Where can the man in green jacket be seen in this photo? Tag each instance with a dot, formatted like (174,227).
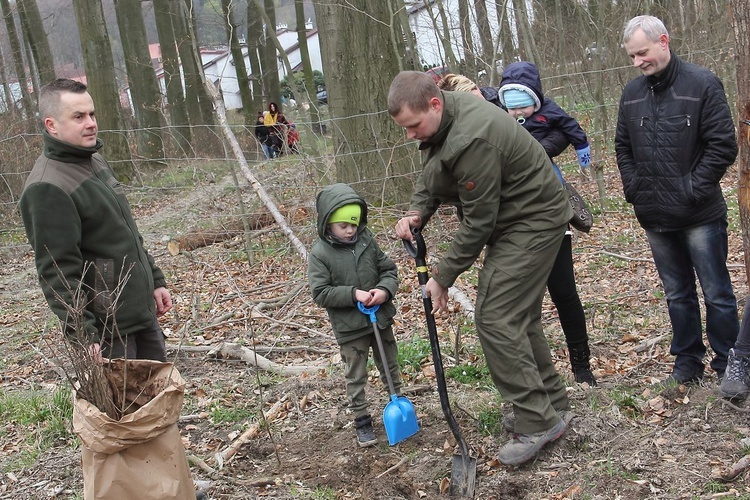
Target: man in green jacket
(93,268)
(477,158)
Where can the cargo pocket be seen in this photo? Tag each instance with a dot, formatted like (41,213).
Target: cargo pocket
(485,278)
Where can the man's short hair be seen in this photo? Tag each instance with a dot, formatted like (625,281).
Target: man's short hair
(411,89)
(49,95)
(652,27)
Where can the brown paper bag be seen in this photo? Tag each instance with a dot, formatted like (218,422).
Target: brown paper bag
(140,456)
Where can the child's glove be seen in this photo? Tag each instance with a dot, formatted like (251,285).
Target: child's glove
(584,159)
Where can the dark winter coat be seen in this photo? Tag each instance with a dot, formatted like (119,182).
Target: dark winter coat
(481,161)
(555,142)
(490,95)
(77,219)
(261,133)
(675,140)
(336,270)
(549,116)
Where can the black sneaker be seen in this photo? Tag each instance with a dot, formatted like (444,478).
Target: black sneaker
(736,382)
(681,377)
(584,376)
(365,432)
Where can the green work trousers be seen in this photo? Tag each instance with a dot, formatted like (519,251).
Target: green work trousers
(509,324)
(355,354)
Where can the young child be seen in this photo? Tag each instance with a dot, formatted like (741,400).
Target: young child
(346,266)
(521,94)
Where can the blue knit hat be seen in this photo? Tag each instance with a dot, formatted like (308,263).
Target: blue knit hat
(515,98)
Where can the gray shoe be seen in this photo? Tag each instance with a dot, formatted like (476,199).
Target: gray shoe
(509,420)
(524,447)
(736,382)
(365,432)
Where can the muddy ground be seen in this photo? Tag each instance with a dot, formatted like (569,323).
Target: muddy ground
(630,438)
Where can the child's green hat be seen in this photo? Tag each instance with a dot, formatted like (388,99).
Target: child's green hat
(348,213)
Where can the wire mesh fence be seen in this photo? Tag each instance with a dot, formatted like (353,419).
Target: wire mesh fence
(209,160)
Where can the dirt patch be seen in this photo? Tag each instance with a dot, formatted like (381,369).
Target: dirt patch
(629,438)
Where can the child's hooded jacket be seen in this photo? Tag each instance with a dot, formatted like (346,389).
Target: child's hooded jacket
(335,269)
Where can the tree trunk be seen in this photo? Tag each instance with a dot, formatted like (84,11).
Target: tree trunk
(254,40)
(469,66)
(243,82)
(485,37)
(31,60)
(525,35)
(38,41)
(270,66)
(310,89)
(373,156)
(144,89)
(741,17)
(444,35)
(447,38)
(199,106)
(17,55)
(601,119)
(178,117)
(398,43)
(7,104)
(100,77)
(506,35)
(274,40)
(206,237)
(200,109)
(412,55)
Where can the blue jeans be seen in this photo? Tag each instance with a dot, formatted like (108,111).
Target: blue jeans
(268,151)
(680,256)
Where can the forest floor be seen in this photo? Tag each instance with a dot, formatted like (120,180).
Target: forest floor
(630,438)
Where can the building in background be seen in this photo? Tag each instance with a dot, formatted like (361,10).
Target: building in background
(218,64)
(426,24)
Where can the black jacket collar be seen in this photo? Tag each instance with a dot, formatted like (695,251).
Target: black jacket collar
(55,149)
(665,79)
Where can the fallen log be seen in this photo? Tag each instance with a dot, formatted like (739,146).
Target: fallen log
(730,473)
(648,344)
(236,351)
(260,349)
(250,433)
(206,237)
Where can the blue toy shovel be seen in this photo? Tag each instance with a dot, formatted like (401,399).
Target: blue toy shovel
(399,417)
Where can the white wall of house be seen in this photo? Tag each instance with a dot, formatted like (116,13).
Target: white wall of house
(220,70)
(295,56)
(218,65)
(423,20)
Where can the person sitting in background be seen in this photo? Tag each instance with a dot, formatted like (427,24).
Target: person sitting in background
(261,133)
(293,138)
(276,123)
